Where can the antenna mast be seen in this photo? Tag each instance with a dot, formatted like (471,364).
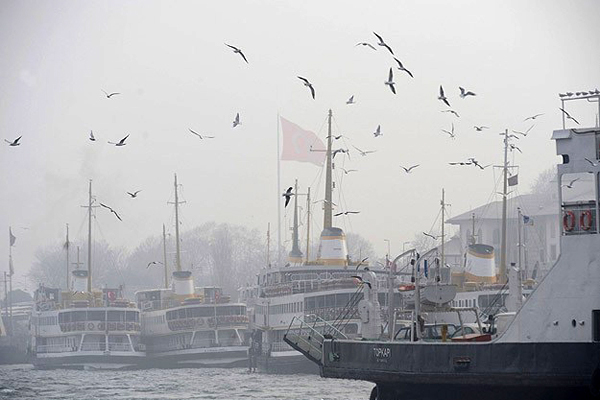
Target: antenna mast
(502,271)
(89,207)
(177,250)
(327,223)
(307,223)
(67,249)
(165,258)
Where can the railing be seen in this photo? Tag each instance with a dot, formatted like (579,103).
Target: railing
(55,348)
(96,326)
(93,346)
(119,346)
(207,322)
(308,338)
(279,346)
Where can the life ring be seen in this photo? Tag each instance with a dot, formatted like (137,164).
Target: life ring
(569,221)
(111,295)
(90,326)
(101,326)
(585,220)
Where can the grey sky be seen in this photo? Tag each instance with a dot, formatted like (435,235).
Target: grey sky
(169,61)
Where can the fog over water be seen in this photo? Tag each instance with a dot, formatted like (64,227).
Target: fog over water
(173,71)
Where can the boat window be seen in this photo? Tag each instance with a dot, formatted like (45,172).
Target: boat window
(96,316)
(116,316)
(578,203)
(78,316)
(64,317)
(133,316)
(596,325)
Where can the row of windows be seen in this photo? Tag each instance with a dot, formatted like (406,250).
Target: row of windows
(206,311)
(286,308)
(102,316)
(47,320)
(159,319)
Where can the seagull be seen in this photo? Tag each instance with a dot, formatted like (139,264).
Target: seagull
(451,132)
(442,97)
(464,93)
(108,96)
(363,153)
(366,44)
(431,236)
(591,162)
(351,100)
(346,213)
(378,131)
(237,51)
(121,142)
(390,81)
(14,142)
(236,121)
(288,195)
(112,211)
(401,67)
(513,147)
(362,281)
(570,185)
(347,171)
(382,43)
(568,115)
(335,137)
(535,116)
(460,163)
(524,133)
(309,85)
(407,170)
(452,111)
(480,128)
(361,263)
(476,163)
(200,136)
(339,151)
(153,263)
(134,194)
(92,138)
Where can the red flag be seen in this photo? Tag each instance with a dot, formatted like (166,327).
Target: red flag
(298,142)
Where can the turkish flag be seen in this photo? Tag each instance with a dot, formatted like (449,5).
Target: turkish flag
(301,145)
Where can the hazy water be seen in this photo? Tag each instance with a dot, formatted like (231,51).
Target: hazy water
(24,382)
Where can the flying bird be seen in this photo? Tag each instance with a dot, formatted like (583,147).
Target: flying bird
(407,170)
(442,97)
(14,142)
(346,213)
(401,67)
(153,263)
(568,116)
(120,142)
(335,137)
(460,163)
(339,151)
(534,116)
(464,93)
(347,171)
(288,195)
(237,51)
(382,43)
(431,236)
(524,133)
(570,185)
(92,138)
(112,211)
(364,153)
(236,121)
(361,263)
(134,194)
(351,100)
(309,85)
(378,131)
(200,136)
(109,95)
(451,111)
(480,128)
(366,44)
(591,162)
(362,281)
(514,147)
(390,81)
(450,132)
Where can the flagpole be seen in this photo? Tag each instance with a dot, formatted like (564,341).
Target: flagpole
(67,248)
(10,274)
(278,197)
(502,271)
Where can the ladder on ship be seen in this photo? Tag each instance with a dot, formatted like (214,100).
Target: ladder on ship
(308,338)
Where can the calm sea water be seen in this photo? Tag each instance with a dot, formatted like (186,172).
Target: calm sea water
(24,382)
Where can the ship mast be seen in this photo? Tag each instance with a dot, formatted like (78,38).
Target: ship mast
(295,253)
(89,207)
(443,203)
(165,258)
(307,223)
(178,254)
(502,271)
(67,249)
(327,223)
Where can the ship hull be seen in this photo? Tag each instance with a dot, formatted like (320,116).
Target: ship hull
(92,360)
(491,370)
(213,357)
(287,362)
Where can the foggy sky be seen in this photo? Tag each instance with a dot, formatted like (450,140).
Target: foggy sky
(169,61)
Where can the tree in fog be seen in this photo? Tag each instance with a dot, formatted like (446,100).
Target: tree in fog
(50,265)
(545,184)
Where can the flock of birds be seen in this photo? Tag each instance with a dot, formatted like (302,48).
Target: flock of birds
(390,83)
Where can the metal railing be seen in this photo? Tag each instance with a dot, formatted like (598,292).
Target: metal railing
(308,338)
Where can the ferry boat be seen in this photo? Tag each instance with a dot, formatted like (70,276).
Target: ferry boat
(84,328)
(185,326)
(549,349)
(318,291)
